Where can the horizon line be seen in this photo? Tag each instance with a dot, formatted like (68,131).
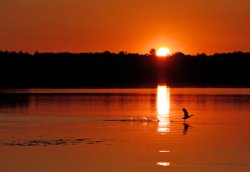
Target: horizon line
(112,52)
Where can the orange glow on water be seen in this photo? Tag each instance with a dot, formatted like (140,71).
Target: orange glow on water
(40,115)
(163,108)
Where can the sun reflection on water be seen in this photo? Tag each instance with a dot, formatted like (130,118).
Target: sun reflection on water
(165,164)
(164,151)
(163,108)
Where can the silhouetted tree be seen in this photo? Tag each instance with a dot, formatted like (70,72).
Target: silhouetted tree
(122,70)
(152,52)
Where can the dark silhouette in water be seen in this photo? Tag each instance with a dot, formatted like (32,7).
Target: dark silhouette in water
(186,115)
(185,129)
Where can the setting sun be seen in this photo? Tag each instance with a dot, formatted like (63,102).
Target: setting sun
(163,52)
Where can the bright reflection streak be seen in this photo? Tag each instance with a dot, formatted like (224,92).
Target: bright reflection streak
(165,164)
(163,108)
(164,151)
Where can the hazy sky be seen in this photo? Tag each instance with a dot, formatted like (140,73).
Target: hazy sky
(190,26)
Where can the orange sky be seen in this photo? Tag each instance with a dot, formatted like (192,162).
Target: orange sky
(190,26)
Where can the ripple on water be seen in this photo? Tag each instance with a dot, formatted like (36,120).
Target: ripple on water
(50,142)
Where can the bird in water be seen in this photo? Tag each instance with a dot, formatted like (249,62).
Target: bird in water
(186,115)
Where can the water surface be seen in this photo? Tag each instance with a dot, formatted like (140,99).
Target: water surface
(125,129)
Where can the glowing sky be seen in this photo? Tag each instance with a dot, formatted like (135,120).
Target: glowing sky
(190,26)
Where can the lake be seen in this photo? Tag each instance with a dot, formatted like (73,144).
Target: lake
(125,130)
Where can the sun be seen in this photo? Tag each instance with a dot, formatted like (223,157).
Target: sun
(163,52)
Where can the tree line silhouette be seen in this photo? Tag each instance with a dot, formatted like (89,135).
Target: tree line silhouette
(24,70)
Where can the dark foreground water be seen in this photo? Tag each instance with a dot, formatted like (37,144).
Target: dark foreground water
(125,130)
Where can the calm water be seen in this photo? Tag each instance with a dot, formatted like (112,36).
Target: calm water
(118,130)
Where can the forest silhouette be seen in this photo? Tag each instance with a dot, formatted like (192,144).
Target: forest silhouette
(74,70)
